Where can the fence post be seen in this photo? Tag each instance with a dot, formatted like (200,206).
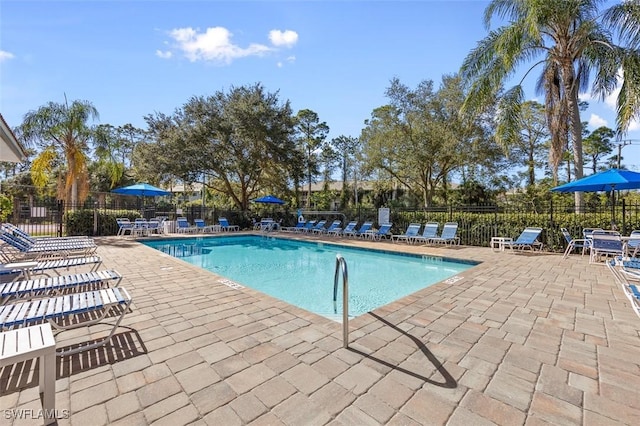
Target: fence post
(60,216)
(95,218)
(624,217)
(550,221)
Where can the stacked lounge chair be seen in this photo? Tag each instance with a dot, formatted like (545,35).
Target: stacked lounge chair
(59,310)
(26,269)
(65,301)
(29,288)
(18,247)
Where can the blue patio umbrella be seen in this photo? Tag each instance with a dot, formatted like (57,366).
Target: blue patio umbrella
(609,180)
(268,199)
(142,190)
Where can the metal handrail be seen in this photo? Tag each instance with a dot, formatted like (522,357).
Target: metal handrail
(341,264)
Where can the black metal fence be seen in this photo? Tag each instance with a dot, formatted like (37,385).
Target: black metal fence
(476,224)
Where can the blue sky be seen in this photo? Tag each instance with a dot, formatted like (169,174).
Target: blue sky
(133,58)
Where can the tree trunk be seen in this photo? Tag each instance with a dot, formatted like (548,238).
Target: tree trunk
(532,170)
(576,131)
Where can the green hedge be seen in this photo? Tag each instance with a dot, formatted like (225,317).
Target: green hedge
(80,222)
(474,229)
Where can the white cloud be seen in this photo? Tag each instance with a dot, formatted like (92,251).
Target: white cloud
(584,97)
(634,125)
(167,54)
(5,56)
(279,64)
(596,121)
(214,45)
(286,38)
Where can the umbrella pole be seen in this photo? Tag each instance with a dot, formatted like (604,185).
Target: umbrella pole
(613,208)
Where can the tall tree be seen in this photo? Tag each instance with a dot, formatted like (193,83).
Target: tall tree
(573,42)
(311,134)
(61,131)
(419,139)
(241,141)
(527,149)
(346,148)
(597,145)
(113,148)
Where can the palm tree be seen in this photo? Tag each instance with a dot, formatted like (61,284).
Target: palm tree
(574,43)
(61,131)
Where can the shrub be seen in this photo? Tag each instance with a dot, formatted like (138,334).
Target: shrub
(6,207)
(81,222)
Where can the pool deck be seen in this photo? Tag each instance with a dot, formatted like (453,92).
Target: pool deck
(519,339)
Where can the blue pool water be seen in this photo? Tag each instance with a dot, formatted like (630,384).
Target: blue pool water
(302,273)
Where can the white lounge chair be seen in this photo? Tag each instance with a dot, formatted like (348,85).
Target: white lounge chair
(29,288)
(125,226)
(339,231)
(225,226)
(528,239)
(184,227)
(308,226)
(429,232)
(411,232)
(17,248)
(298,226)
(449,234)
(26,269)
(365,227)
(59,310)
(333,226)
(201,226)
(318,227)
(383,232)
(16,231)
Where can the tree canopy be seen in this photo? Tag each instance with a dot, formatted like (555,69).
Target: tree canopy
(574,43)
(236,143)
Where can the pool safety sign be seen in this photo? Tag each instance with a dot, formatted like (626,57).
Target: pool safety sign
(383,215)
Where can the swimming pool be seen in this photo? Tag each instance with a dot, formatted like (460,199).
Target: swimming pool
(302,273)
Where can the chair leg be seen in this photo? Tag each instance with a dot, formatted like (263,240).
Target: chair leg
(570,247)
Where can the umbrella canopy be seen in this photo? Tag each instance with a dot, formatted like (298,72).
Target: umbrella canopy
(141,189)
(608,180)
(269,199)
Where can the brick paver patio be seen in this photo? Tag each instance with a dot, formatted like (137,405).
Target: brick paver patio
(520,339)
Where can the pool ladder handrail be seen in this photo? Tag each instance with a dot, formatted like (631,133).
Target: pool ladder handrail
(341,265)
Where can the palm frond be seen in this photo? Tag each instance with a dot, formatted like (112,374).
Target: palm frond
(42,166)
(508,117)
(628,105)
(624,20)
